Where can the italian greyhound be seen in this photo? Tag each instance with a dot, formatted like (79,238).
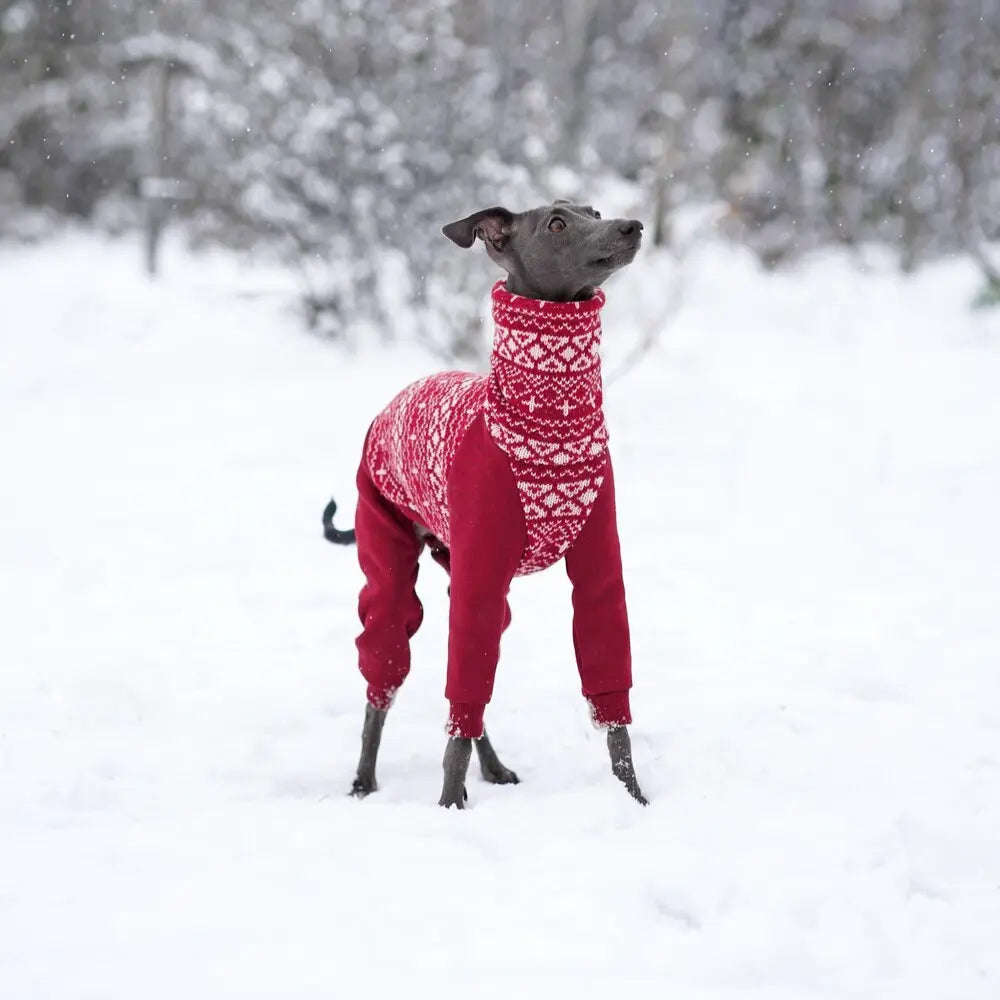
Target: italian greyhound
(501,475)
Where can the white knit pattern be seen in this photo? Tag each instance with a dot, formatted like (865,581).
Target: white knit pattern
(414,439)
(544,410)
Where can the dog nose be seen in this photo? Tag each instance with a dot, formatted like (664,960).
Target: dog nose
(630,228)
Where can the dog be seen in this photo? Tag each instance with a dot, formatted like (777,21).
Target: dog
(499,476)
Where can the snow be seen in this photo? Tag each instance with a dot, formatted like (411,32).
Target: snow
(809,480)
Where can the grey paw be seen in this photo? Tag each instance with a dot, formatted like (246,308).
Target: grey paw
(500,775)
(627,777)
(458,801)
(362,787)
(636,794)
(620,748)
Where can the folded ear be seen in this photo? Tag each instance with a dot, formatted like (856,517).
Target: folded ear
(491,224)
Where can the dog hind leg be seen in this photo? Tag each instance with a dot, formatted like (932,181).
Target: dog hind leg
(493,771)
(371,736)
(390,613)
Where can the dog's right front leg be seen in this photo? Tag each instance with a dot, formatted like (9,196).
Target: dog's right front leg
(371,736)
(487,539)
(457,755)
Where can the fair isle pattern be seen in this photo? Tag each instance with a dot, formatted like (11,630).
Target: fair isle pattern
(414,439)
(544,409)
(542,404)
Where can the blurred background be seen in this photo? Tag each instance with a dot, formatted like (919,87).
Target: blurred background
(339,135)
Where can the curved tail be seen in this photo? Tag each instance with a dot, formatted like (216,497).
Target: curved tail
(332,534)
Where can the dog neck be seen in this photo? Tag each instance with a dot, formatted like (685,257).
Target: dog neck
(545,369)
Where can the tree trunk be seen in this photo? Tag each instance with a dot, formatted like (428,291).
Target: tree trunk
(156,205)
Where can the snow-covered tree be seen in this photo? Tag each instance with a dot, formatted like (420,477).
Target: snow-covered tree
(341,134)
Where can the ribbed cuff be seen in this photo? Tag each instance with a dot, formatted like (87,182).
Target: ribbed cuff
(465,720)
(381,697)
(608,710)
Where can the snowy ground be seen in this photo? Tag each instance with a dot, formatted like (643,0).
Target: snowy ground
(809,487)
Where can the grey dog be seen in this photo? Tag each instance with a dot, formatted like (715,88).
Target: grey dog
(558,253)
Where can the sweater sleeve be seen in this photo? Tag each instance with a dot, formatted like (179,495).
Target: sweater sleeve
(600,618)
(487,541)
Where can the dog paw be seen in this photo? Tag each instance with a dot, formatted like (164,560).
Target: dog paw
(458,801)
(500,776)
(632,787)
(638,796)
(360,788)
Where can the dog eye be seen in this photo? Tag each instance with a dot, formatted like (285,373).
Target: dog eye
(597,215)
(556,225)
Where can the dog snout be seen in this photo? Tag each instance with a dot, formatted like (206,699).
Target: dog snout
(630,227)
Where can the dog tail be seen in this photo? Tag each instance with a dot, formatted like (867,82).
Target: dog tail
(332,534)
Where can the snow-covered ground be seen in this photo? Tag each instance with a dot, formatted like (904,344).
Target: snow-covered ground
(809,494)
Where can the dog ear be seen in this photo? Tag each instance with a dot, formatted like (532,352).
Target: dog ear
(490,225)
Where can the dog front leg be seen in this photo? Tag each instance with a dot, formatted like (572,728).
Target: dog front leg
(494,772)
(620,749)
(487,539)
(457,755)
(601,633)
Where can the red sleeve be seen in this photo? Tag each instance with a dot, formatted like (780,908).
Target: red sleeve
(600,618)
(487,542)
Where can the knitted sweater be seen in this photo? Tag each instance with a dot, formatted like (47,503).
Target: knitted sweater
(507,470)
(542,406)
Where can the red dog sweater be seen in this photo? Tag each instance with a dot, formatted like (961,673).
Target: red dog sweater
(510,472)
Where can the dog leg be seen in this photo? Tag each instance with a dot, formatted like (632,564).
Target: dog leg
(371,736)
(620,749)
(489,763)
(389,609)
(457,755)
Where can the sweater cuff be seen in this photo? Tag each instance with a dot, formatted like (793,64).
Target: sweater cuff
(381,697)
(608,710)
(465,720)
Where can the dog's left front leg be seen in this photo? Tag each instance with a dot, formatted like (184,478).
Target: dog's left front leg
(622,766)
(601,632)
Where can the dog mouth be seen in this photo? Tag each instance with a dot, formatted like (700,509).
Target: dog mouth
(617,259)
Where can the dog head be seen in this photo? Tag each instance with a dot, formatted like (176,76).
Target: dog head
(559,252)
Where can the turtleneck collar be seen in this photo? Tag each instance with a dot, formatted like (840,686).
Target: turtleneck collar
(545,366)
